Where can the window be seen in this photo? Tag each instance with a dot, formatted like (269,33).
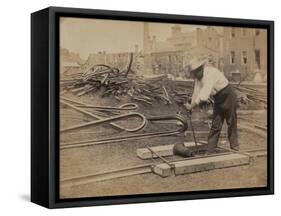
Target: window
(232,32)
(257,32)
(244,57)
(258,58)
(232,57)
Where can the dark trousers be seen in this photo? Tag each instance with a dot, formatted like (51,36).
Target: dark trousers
(225,106)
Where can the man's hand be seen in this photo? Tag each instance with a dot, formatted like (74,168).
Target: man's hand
(189,106)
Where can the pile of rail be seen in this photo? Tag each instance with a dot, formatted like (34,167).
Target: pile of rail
(108,81)
(251,95)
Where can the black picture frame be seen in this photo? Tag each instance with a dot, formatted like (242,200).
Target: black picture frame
(45,109)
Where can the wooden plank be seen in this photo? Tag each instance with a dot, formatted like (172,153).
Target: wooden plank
(202,164)
(162,150)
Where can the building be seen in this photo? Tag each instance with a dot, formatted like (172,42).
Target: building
(244,51)
(182,40)
(70,62)
(238,52)
(210,44)
(173,55)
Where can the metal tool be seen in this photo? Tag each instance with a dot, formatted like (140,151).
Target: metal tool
(189,114)
(159,156)
(192,128)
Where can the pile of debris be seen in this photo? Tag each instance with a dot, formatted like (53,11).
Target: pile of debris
(109,81)
(251,96)
(159,89)
(97,77)
(113,82)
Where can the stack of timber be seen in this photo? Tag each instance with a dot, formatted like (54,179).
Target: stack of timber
(188,165)
(109,81)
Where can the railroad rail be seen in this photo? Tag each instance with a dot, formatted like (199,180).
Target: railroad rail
(145,169)
(182,128)
(78,106)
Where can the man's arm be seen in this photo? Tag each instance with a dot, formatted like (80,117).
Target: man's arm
(196,91)
(206,90)
(203,93)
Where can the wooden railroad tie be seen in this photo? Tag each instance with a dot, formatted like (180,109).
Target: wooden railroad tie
(202,164)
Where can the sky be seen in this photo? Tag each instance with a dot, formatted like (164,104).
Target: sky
(85,36)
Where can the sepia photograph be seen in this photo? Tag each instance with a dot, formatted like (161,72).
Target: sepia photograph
(151,107)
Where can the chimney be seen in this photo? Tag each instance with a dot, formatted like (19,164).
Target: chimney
(146,38)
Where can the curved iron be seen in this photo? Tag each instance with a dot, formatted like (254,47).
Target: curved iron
(88,73)
(123,107)
(177,117)
(110,119)
(117,126)
(104,120)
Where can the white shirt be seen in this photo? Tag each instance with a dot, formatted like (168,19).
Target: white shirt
(212,82)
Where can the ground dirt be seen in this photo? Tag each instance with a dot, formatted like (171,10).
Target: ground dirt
(94,159)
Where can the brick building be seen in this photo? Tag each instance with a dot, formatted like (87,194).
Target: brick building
(244,51)
(240,53)
(235,51)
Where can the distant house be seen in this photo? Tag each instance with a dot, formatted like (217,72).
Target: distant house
(70,63)
(233,50)
(244,49)
(173,55)
(70,68)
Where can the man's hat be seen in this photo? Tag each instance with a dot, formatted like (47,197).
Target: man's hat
(196,63)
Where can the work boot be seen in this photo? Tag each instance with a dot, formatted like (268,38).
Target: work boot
(181,150)
(211,149)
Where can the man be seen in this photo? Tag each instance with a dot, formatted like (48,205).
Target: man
(209,81)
